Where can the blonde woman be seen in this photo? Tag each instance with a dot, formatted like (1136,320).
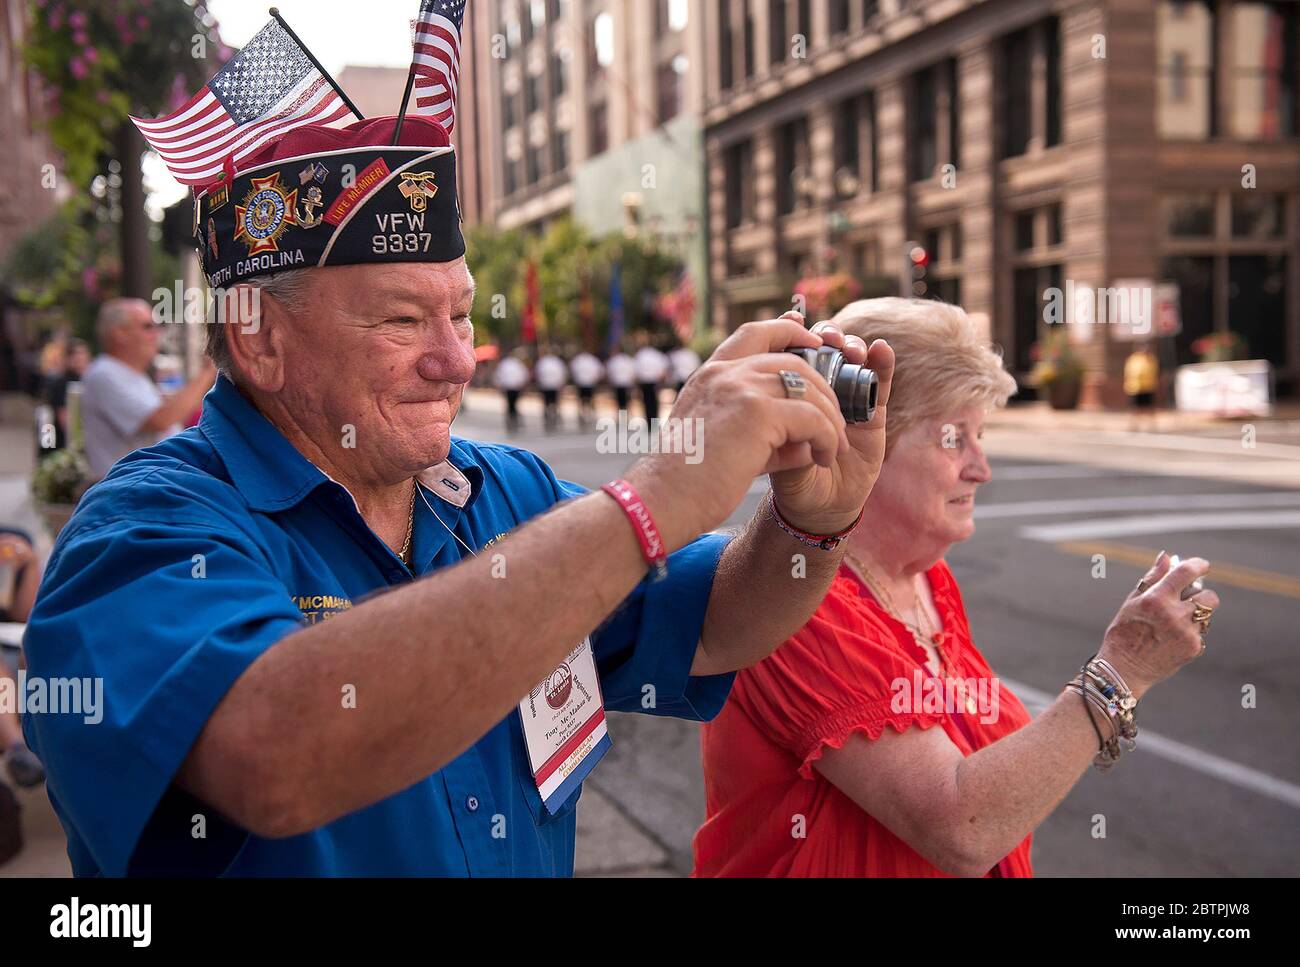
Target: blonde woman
(879,728)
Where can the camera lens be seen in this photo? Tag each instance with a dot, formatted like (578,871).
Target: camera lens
(855,386)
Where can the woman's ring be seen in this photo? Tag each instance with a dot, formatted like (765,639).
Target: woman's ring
(796,387)
(1201,616)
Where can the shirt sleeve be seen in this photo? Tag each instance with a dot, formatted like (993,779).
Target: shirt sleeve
(838,675)
(162,615)
(645,649)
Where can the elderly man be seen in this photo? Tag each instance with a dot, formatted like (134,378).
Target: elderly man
(266,709)
(121,406)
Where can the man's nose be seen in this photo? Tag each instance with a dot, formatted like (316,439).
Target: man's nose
(447,359)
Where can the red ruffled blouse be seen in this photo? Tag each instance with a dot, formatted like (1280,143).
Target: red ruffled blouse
(837,676)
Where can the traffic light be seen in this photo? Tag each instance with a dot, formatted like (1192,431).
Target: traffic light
(918,260)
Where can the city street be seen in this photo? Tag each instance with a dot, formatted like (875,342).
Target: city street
(1214,788)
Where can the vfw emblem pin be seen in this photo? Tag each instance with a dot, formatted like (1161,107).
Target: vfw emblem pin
(265,215)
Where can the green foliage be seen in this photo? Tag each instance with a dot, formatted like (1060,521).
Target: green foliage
(102,59)
(60,478)
(571,265)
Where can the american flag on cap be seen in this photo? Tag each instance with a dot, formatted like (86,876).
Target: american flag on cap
(436,62)
(266,90)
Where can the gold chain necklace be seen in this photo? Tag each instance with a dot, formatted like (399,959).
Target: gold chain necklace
(410,526)
(885,598)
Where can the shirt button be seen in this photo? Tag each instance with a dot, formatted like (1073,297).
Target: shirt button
(471,803)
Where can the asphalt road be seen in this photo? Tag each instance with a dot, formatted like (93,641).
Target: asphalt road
(1214,788)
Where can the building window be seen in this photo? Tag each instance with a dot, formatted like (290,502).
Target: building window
(1186,34)
(559,77)
(1022,120)
(749,42)
(1029,283)
(1265,63)
(532,93)
(792,165)
(839,17)
(933,122)
(597,130)
(943,274)
(670,88)
(778,39)
(739,171)
(532,164)
(1230,256)
(560,151)
(511,177)
(602,31)
(726,41)
(855,129)
(508,116)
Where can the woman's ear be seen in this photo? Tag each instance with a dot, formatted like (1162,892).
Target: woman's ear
(255,336)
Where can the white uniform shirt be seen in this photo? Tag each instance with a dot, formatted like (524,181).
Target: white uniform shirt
(620,370)
(586,369)
(551,372)
(510,374)
(651,365)
(684,361)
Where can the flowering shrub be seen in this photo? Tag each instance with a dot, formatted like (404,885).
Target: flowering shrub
(828,293)
(1054,359)
(1219,347)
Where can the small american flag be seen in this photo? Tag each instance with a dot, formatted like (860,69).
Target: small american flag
(436,63)
(266,90)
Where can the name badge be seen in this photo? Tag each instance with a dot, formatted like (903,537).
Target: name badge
(564,726)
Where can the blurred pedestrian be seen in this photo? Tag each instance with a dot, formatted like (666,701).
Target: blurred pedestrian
(54,392)
(20,575)
(651,370)
(880,722)
(511,378)
(552,376)
(122,408)
(683,361)
(1141,380)
(620,370)
(587,373)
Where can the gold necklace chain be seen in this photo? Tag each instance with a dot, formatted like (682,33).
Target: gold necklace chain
(885,598)
(410,525)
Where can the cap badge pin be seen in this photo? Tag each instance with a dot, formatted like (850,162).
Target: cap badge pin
(266,214)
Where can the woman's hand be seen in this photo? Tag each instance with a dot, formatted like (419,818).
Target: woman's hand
(15,551)
(1153,634)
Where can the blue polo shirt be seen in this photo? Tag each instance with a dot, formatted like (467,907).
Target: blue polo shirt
(193,557)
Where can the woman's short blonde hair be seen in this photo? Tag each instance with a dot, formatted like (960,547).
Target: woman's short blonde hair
(942,365)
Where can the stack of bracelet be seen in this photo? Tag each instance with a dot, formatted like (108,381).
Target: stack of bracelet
(1102,687)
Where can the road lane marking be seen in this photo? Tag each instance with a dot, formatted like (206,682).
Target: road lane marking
(1191,444)
(1084,505)
(1225,770)
(1059,471)
(1161,523)
(1267,582)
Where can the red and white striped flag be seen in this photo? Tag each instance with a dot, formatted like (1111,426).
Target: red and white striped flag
(436,63)
(266,90)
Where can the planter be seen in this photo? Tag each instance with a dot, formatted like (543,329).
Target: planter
(55,516)
(1063,394)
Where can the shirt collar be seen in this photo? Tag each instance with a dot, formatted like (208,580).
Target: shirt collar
(272,475)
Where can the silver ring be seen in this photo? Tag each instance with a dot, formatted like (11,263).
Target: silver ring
(796,387)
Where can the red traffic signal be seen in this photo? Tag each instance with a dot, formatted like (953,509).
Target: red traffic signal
(919,257)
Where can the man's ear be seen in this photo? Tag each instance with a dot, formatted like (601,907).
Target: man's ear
(254,335)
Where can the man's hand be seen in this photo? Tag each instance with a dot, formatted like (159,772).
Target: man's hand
(821,470)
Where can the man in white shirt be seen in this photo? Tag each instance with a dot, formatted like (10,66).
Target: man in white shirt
(552,374)
(651,368)
(683,360)
(510,377)
(121,407)
(621,372)
(587,372)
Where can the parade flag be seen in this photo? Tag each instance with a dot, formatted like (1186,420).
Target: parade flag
(532,303)
(435,65)
(269,88)
(615,309)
